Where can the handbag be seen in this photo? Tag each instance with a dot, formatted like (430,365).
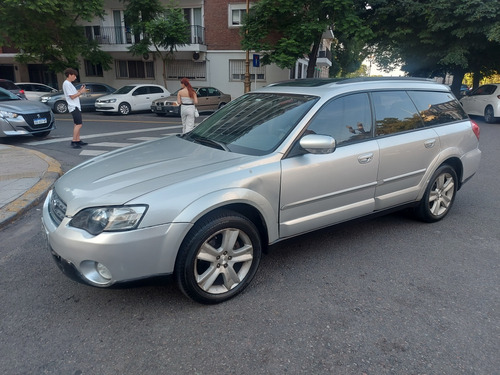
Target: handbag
(196,113)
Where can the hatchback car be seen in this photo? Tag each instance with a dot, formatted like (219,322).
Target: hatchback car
(12,87)
(34,91)
(58,103)
(483,101)
(275,163)
(131,98)
(209,99)
(23,117)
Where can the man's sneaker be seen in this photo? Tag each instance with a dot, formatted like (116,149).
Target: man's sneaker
(82,143)
(75,145)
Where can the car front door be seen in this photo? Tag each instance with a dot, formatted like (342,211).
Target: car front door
(203,99)
(318,190)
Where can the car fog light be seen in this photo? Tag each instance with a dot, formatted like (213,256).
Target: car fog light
(103,271)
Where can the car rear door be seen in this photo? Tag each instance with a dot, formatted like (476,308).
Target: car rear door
(203,99)
(407,148)
(318,190)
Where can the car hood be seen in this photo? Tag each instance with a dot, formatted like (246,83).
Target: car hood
(120,176)
(23,106)
(171,98)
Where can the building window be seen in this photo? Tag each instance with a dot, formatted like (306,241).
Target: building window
(178,69)
(134,69)
(93,70)
(237,71)
(236,14)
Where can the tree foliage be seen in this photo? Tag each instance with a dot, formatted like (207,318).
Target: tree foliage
(434,38)
(162,29)
(286,30)
(47,31)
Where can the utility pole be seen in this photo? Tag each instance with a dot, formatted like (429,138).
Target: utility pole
(247,61)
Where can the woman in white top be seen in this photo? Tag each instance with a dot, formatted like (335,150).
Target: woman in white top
(187,99)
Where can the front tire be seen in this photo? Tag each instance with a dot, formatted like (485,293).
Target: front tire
(218,258)
(124,109)
(439,195)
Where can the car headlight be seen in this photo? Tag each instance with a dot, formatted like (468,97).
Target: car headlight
(44,99)
(6,114)
(108,219)
(107,101)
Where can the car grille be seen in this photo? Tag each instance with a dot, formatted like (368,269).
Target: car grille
(57,208)
(30,119)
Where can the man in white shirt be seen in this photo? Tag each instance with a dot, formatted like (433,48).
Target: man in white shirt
(72,98)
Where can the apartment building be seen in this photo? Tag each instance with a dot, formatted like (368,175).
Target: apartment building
(212,58)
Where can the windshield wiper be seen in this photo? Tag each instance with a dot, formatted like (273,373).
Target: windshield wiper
(208,142)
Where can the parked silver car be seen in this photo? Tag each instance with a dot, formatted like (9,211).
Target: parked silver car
(274,163)
(34,91)
(57,102)
(23,117)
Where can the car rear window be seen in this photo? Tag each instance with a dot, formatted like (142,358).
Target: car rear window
(437,108)
(8,85)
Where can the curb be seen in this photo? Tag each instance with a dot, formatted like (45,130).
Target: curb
(35,194)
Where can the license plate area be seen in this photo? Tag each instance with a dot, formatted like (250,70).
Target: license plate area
(39,121)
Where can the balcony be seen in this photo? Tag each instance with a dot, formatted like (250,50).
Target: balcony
(117,35)
(324,58)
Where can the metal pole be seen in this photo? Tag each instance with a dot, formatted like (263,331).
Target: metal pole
(247,61)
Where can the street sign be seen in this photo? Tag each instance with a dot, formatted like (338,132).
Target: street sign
(256,60)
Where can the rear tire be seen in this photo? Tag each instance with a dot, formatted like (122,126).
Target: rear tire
(61,107)
(439,195)
(218,258)
(489,115)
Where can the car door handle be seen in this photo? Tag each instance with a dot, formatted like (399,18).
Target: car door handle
(365,158)
(430,143)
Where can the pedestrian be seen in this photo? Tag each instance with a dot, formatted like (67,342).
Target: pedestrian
(187,99)
(72,96)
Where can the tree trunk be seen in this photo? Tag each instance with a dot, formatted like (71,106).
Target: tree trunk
(476,79)
(313,56)
(458,76)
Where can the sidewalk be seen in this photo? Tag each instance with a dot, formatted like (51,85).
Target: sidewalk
(25,178)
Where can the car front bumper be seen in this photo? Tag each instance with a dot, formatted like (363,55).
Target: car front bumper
(127,255)
(165,109)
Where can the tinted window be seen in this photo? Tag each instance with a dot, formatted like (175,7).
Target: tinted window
(202,92)
(155,90)
(99,89)
(347,119)
(141,91)
(213,92)
(394,113)
(437,107)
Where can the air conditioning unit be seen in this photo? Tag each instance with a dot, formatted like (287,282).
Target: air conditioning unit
(199,56)
(147,57)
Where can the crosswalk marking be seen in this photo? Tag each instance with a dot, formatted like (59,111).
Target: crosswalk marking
(110,144)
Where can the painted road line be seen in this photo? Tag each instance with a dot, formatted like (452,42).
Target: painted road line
(90,136)
(110,144)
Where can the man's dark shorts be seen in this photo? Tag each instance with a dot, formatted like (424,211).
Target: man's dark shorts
(77,116)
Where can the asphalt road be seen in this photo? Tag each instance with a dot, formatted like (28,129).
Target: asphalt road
(384,296)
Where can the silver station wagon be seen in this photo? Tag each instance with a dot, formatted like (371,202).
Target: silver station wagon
(275,163)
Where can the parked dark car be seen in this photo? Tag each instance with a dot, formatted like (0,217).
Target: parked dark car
(58,104)
(12,87)
(23,117)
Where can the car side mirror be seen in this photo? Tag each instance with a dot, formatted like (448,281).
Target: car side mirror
(318,144)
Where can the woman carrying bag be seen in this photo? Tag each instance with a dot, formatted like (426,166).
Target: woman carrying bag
(187,99)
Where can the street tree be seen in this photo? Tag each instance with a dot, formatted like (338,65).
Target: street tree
(286,30)
(162,29)
(435,38)
(48,32)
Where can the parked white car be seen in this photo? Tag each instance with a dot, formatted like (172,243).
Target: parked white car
(135,97)
(483,101)
(34,91)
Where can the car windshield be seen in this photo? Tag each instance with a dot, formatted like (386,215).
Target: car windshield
(124,90)
(254,124)
(7,95)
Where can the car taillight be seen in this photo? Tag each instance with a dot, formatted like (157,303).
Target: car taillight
(21,91)
(475,129)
